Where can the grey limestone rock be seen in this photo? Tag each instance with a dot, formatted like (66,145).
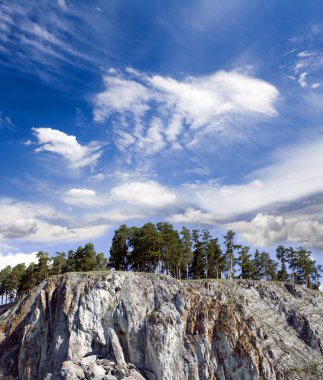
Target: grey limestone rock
(138,326)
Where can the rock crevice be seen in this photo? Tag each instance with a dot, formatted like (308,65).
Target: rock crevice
(143,326)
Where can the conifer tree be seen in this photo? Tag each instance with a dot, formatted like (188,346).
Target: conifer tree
(187,255)
(43,266)
(197,266)
(119,251)
(146,248)
(231,247)
(246,263)
(303,266)
(216,260)
(282,256)
(101,262)
(171,249)
(206,238)
(58,263)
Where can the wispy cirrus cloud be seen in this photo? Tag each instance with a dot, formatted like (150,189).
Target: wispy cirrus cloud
(184,110)
(66,146)
(271,206)
(6,122)
(306,58)
(47,39)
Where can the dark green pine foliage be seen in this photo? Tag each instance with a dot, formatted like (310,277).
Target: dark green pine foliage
(146,248)
(70,261)
(119,251)
(264,267)
(303,266)
(101,261)
(10,279)
(187,253)
(246,263)
(216,259)
(29,279)
(43,266)
(58,263)
(282,254)
(171,249)
(316,275)
(197,265)
(206,238)
(85,258)
(231,248)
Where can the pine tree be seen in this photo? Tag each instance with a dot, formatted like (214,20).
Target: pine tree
(101,262)
(216,260)
(59,263)
(197,266)
(85,258)
(5,283)
(303,266)
(231,247)
(264,267)
(70,265)
(282,256)
(171,249)
(29,280)
(187,255)
(246,263)
(43,266)
(206,238)
(119,255)
(146,248)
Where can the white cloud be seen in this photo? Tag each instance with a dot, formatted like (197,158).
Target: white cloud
(192,215)
(6,122)
(13,259)
(306,62)
(62,3)
(295,173)
(77,155)
(153,140)
(184,109)
(121,95)
(302,80)
(81,197)
(148,194)
(39,223)
(266,230)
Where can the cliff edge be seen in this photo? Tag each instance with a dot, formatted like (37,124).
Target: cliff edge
(144,326)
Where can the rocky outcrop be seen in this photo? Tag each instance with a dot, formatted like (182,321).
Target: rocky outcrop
(145,326)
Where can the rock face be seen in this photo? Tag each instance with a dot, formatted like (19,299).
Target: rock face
(143,326)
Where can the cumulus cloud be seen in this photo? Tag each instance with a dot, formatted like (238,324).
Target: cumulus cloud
(39,223)
(266,229)
(66,146)
(13,259)
(192,215)
(147,194)
(81,197)
(184,109)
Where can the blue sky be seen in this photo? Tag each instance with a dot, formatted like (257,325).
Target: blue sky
(201,113)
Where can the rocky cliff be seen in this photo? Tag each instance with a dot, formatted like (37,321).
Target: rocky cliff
(144,326)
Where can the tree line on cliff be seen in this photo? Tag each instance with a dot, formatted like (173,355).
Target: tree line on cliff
(159,248)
